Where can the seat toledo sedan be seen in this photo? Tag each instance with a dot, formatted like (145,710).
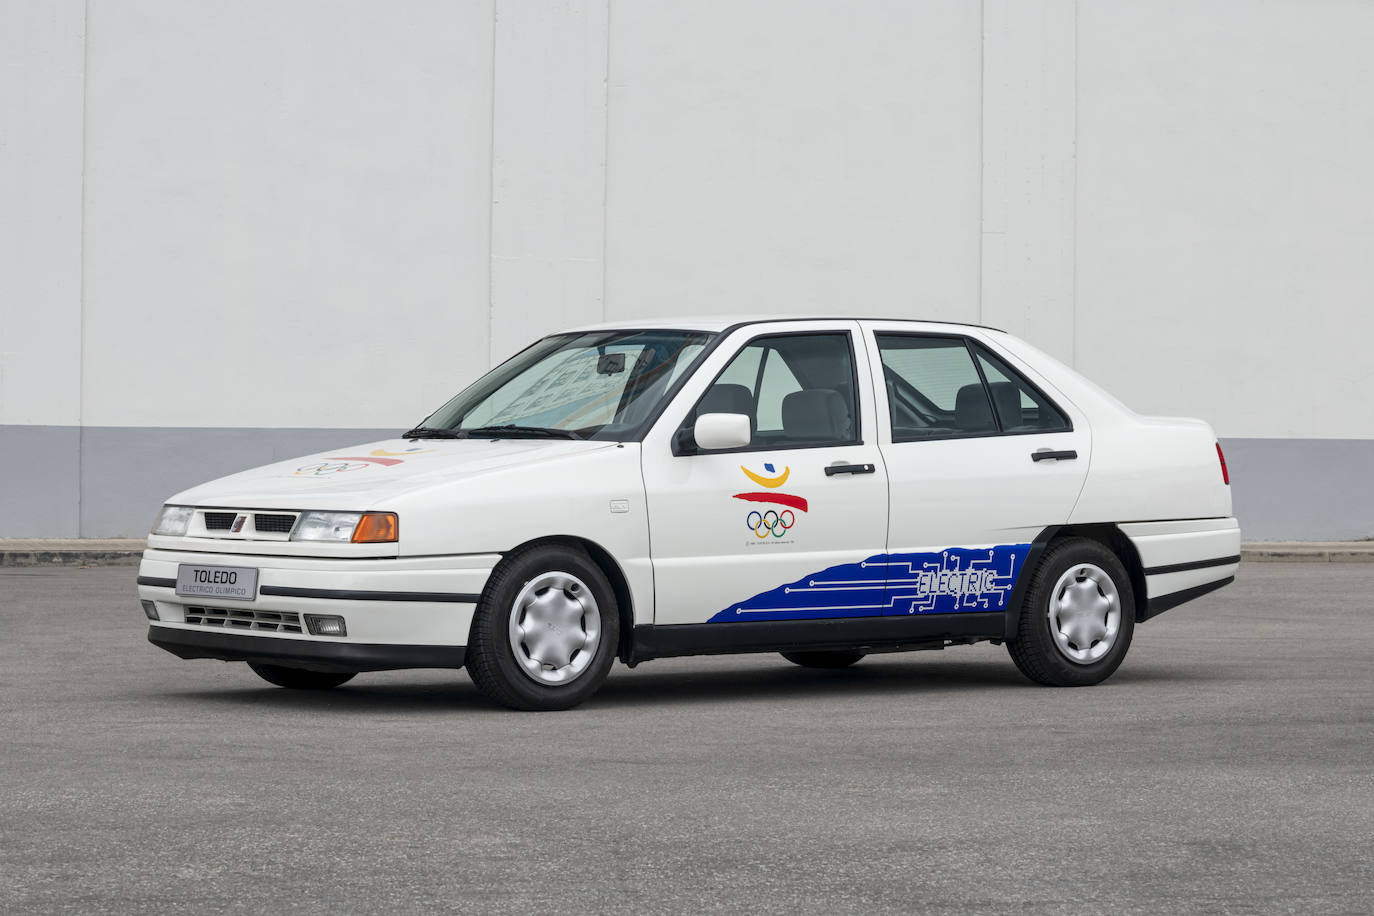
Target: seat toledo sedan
(821,488)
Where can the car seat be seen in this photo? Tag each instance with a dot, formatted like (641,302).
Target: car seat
(816,414)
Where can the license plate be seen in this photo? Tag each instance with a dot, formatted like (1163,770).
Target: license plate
(237,582)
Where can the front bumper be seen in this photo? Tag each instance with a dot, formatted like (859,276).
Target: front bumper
(311,654)
(399,613)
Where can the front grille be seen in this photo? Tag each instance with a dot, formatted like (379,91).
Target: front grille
(244,619)
(280,524)
(219,521)
(248,525)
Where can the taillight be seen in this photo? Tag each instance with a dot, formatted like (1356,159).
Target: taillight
(1225,475)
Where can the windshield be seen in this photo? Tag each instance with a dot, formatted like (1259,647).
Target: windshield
(592,385)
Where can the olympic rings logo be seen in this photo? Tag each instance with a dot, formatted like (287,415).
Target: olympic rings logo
(328,467)
(770,522)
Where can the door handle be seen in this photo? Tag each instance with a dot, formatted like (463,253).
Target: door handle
(1049,454)
(832,470)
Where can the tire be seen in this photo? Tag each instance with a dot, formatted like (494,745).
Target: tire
(1077,618)
(299,678)
(837,658)
(546,630)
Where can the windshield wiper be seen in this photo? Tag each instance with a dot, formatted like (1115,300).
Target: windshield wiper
(429,432)
(515,431)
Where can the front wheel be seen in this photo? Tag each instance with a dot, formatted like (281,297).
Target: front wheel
(1077,618)
(546,631)
(299,678)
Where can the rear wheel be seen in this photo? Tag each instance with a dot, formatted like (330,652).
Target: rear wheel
(1078,616)
(299,678)
(545,633)
(836,658)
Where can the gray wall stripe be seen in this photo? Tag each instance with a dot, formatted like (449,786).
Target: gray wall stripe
(108,481)
(57,482)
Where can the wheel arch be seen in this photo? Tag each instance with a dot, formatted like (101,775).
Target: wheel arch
(1105,533)
(620,585)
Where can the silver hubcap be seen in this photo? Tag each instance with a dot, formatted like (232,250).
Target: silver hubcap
(1085,614)
(555,627)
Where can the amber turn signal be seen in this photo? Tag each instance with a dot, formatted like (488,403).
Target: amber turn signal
(377,528)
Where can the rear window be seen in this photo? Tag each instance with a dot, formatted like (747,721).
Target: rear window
(933,388)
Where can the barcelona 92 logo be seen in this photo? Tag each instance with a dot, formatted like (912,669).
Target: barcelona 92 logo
(771,522)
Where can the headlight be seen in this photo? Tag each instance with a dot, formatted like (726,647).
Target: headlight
(173,521)
(326,526)
(358,527)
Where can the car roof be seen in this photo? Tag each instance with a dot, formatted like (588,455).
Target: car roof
(718,323)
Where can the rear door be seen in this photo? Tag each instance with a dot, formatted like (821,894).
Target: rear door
(967,437)
(779,529)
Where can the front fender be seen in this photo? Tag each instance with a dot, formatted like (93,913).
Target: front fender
(595,496)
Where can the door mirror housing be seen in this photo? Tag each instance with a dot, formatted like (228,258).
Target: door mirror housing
(715,431)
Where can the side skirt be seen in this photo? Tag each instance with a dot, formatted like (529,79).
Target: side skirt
(1168,602)
(864,633)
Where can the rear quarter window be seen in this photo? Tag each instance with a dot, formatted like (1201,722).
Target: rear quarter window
(1019,406)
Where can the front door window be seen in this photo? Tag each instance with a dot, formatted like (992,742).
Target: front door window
(796,389)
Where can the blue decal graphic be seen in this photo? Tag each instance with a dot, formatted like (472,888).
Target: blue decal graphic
(954,580)
(769,469)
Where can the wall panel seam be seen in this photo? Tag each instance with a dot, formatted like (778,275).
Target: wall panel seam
(606,164)
(982,145)
(1073,223)
(81,268)
(491,193)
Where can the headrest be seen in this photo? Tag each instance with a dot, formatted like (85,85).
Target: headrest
(1007,397)
(819,414)
(972,412)
(727,398)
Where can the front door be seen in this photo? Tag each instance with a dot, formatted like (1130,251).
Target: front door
(781,528)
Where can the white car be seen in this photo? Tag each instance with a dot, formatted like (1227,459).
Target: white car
(822,488)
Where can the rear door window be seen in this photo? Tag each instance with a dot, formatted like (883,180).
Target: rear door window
(950,387)
(933,388)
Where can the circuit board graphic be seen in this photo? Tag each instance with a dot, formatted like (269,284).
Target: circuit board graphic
(954,580)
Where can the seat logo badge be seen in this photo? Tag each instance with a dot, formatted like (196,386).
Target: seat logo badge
(237,527)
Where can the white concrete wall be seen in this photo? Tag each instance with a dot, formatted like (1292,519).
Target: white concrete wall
(283,203)
(307,219)
(1226,211)
(548,161)
(1028,152)
(783,156)
(42,76)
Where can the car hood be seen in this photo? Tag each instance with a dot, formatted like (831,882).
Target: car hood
(367,476)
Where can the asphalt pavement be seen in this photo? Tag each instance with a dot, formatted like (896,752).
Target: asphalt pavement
(1228,767)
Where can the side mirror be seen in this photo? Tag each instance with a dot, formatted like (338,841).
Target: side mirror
(714,431)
